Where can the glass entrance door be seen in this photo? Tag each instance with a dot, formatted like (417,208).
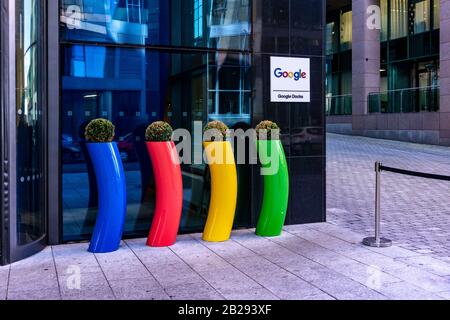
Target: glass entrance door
(22,130)
(1,138)
(28,219)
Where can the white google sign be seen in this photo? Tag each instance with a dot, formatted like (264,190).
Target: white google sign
(290,79)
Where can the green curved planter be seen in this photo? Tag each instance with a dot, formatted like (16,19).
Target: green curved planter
(276,190)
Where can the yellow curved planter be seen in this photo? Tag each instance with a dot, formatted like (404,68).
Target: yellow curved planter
(224,187)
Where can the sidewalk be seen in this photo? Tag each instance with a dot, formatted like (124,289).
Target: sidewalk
(415,211)
(311,262)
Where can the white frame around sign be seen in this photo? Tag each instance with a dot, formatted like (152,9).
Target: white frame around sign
(290,80)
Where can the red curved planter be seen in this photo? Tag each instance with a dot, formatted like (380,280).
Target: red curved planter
(169,194)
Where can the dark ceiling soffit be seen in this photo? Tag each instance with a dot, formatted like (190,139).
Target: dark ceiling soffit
(333,5)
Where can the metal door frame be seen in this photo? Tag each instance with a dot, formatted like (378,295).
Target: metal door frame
(11,249)
(3,137)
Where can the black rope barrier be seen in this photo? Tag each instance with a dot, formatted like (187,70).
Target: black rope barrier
(415,173)
(378,241)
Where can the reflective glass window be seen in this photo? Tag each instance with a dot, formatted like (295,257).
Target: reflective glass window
(436,14)
(224,24)
(346,30)
(31,222)
(331,39)
(132,88)
(229,87)
(384,20)
(419,16)
(399,18)
(198,19)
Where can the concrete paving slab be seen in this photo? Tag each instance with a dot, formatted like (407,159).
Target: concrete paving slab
(87,263)
(125,271)
(395,252)
(92,286)
(320,297)
(198,256)
(307,270)
(445,295)
(229,250)
(82,281)
(4,276)
(175,274)
(308,249)
(27,279)
(363,274)
(70,250)
(406,291)
(276,279)
(250,294)
(155,256)
(89,294)
(421,278)
(43,294)
(205,261)
(141,289)
(194,291)
(43,259)
(429,264)
(297,228)
(343,288)
(228,279)
(3,291)
(123,255)
(337,232)
(295,266)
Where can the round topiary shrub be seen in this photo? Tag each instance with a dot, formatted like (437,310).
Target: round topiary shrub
(219,127)
(265,130)
(100,131)
(159,131)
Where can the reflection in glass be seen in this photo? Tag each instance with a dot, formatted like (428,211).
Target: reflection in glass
(229,24)
(222,24)
(331,39)
(384,20)
(30,169)
(229,87)
(420,16)
(346,30)
(132,88)
(436,14)
(399,18)
(198,19)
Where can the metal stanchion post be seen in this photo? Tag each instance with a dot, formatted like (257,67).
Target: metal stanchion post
(377,241)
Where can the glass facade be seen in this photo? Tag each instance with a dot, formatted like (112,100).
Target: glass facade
(436,14)
(134,62)
(398,13)
(183,61)
(346,30)
(31,216)
(409,56)
(22,130)
(215,24)
(3,178)
(384,6)
(339,62)
(137,84)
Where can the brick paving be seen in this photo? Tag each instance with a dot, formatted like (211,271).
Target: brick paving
(415,211)
(308,262)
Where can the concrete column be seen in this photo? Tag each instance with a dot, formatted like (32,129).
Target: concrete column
(365,57)
(445,73)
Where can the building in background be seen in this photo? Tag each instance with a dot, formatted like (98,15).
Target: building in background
(64,63)
(388,74)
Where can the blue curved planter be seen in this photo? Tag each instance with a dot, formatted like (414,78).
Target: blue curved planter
(112,196)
